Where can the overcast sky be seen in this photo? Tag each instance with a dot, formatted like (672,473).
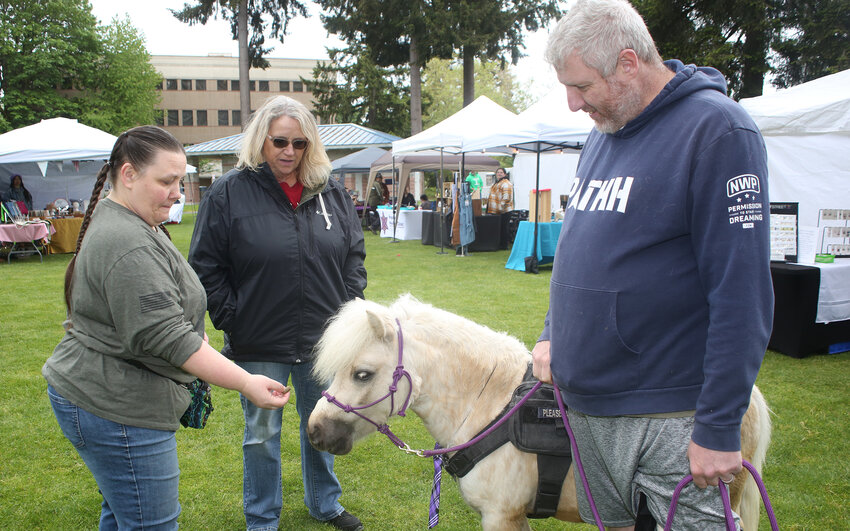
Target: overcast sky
(306,39)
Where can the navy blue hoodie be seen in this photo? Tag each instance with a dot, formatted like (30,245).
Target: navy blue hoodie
(661,298)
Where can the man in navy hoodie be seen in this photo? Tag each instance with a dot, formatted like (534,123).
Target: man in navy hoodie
(660,300)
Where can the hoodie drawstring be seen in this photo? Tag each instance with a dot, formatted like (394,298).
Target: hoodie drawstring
(325,212)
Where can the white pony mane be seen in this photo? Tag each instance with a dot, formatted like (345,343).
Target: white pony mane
(348,333)
(345,335)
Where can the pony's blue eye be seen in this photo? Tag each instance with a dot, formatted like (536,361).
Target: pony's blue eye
(363,376)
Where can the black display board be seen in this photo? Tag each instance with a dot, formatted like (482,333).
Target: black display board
(784,231)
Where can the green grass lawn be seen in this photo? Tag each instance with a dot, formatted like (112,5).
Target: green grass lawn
(44,484)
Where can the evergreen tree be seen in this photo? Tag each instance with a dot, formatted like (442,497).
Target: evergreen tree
(730,35)
(273,15)
(488,29)
(396,33)
(351,88)
(814,42)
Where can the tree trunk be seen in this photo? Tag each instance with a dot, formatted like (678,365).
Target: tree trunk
(468,75)
(754,51)
(415,89)
(244,63)
(755,64)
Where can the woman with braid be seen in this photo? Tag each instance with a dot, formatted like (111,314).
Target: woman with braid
(134,334)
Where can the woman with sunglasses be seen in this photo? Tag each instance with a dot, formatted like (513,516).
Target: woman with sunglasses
(278,247)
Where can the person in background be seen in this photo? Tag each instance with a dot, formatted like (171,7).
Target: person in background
(135,337)
(501,198)
(475,181)
(378,195)
(18,192)
(661,303)
(424,204)
(278,247)
(408,199)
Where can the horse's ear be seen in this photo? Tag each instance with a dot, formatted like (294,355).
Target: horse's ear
(380,327)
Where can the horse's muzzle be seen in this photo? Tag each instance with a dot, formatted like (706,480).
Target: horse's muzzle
(332,437)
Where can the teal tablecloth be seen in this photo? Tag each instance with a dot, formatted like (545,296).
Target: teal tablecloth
(547,240)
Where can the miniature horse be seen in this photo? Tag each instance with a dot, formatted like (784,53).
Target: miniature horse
(461,377)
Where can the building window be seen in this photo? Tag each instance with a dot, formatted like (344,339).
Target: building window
(234,84)
(187,118)
(158,117)
(297,86)
(202,118)
(223,118)
(170,84)
(252,86)
(173,117)
(200,84)
(284,86)
(264,86)
(159,85)
(237,118)
(185,84)
(221,84)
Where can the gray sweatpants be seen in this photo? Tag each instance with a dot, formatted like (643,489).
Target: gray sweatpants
(626,456)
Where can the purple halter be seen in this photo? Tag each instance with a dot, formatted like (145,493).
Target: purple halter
(398,374)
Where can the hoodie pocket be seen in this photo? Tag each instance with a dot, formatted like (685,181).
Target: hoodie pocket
(589,356)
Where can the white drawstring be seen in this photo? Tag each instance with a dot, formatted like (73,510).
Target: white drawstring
(325,212)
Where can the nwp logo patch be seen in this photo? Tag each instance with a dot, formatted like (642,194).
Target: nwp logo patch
(743,184)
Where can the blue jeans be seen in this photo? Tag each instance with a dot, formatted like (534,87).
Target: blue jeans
(135,468)
(262,490)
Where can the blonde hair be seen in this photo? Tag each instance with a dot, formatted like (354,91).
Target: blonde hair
(315,166)
(598,30)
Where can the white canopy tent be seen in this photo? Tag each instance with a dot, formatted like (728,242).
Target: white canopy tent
(547,125)
(548,129)
(451,134)
(56,158)
(806,129)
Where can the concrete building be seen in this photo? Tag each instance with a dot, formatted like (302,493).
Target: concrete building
(200,95)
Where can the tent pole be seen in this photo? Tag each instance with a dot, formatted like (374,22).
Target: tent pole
(531,262)
(397,204)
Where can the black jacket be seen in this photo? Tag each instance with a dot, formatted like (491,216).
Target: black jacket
(274,274)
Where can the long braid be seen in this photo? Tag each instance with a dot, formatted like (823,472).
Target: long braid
(95,197)
(163,229)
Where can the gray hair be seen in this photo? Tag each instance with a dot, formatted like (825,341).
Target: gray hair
(315,167)
(598,30)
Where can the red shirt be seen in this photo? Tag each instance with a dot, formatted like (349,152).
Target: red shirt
(293,192)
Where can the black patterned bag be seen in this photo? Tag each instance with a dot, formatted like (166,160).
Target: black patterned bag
(200,407)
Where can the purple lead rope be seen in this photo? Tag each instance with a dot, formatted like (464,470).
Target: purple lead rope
(724,495)
(576,457)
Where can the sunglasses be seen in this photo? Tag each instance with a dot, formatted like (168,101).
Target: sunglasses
(281,143)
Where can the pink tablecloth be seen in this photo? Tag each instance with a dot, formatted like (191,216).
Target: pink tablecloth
(24,233)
